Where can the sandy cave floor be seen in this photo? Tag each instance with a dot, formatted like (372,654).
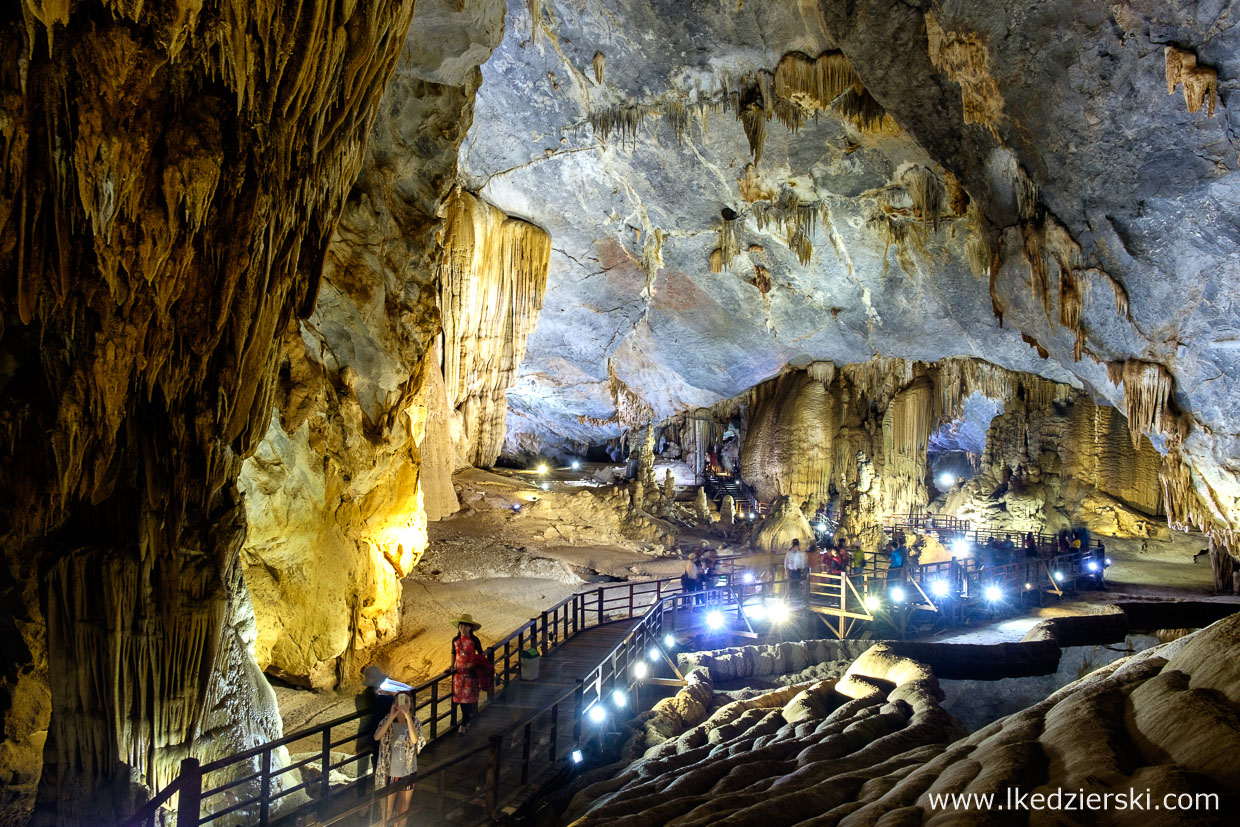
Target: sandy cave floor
(503,566)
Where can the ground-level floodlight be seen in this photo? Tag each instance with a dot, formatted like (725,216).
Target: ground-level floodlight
(747,578)
(993,593)
(669,641)
(778,610)
(640,670)
(946,480)
(714,619)
(873,603)
(619,699)
(757,611)
(1058,575)
(1092,565)
(653,654)
(939,588)
(577,756)
(598,714)
(575,464)
(960,546)
(897,595)
(542,468)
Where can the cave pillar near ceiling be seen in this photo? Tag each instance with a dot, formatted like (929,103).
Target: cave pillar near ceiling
(171,177)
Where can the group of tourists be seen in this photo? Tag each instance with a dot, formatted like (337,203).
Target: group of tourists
(701,569)
(396,734)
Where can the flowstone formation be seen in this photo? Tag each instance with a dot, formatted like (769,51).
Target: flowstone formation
(876,745)
(1068,462)
(821,749)
(172,179)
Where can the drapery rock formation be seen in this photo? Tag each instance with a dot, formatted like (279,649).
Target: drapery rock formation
(861,432)
(172,179)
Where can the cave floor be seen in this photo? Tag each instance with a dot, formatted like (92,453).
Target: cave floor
(504,565)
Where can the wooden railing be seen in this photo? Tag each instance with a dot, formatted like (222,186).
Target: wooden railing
(247,787)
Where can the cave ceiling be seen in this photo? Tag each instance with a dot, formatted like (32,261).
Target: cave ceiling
(1055,118)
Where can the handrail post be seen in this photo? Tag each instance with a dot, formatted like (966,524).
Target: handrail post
(325,786)
(577,710)
(189,797)
(600,605)
(525,753)
(630,615)
(434,710)
(264,789)
(555,728)
(544,631)
(493,774)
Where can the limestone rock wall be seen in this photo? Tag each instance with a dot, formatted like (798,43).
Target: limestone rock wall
(1064,463)
(172,175)
(360,453)
(861,431)
(1096,248)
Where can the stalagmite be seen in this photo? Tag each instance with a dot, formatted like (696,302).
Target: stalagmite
(492,276)
(701,506)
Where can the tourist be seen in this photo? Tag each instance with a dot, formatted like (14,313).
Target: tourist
(895,563)
(691,577)
(1031,546)
(797,563)
(710,568)
(375,704)
(400,740)
(469,663)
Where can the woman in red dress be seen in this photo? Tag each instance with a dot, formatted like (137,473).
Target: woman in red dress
(468,661)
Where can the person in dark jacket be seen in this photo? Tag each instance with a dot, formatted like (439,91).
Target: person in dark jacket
(375,706)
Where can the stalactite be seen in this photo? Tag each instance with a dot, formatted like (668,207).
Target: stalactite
(728,246)
(965,60)
(493,272)
(814,83)
(600,65)
(178,178)
(859,108)
(1200,82)
(1147,398)
(927,193)
(652,254)
(978,247)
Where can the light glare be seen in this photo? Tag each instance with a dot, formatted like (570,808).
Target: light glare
(714,619)
(993,593)
(641,670)
(939,588)
(598,714)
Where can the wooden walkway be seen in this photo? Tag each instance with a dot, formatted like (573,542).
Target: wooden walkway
(456,795)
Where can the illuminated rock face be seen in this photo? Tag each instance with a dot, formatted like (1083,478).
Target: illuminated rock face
(1069,462)
(338,493)
(861,432)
